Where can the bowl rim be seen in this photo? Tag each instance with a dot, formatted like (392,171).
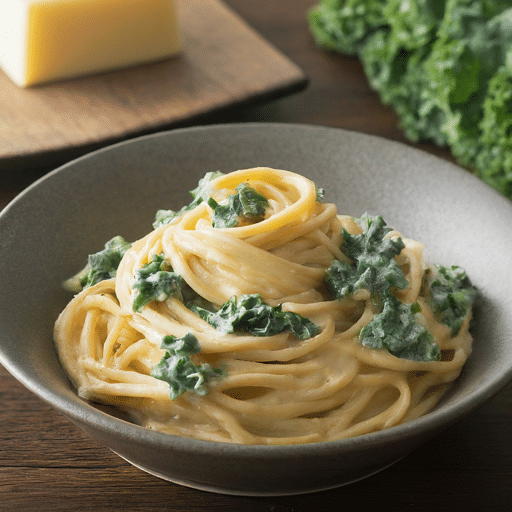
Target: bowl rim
(82,412)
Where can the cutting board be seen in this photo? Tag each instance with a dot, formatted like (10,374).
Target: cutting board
(224,62)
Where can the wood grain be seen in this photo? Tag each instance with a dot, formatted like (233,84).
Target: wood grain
(224,62)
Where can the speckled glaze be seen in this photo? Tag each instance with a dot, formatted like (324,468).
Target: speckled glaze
(48,230)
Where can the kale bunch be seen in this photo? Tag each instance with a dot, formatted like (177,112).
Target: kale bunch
(444,65)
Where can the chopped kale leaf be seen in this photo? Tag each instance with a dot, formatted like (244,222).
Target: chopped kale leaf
(200,193)
(452,296)
(245,203)
(374,266)
(249,314)
(103,264)
(397,329)
(178,370)
(164,217)
(156,281)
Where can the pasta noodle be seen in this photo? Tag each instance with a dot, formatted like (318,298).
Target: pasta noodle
(273,389)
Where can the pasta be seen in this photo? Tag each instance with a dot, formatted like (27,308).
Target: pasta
(282,387)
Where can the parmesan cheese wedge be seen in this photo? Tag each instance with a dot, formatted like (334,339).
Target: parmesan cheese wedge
(48,40)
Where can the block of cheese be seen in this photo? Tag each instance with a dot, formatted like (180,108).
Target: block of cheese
(48,40)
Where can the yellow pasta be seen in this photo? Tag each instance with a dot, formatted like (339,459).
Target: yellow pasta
(272,389)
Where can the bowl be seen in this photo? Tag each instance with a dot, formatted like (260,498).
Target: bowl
(50,228)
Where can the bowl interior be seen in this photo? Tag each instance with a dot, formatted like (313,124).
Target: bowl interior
(48,231)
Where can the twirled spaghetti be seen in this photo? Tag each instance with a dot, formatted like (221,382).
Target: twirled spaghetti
(276,388)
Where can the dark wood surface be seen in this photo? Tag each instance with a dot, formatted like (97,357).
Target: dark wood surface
(47,464)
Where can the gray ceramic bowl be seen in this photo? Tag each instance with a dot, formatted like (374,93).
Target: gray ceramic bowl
(47,232)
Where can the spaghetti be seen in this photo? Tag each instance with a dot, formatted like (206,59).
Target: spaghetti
(280,387)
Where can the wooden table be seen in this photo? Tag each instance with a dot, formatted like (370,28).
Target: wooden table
(47,464)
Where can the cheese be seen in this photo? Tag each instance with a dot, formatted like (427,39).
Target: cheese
(47,40)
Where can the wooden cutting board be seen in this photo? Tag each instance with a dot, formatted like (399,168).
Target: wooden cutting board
(224,62)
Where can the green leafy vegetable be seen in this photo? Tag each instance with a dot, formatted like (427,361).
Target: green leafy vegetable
(444,65)
(452,296)
(179,371)
(156,281)
(413,23)
(374,267)
(344,24)
(200,193)
(494,158)
(249,314)
(396,327)
(245,203)
(103,264)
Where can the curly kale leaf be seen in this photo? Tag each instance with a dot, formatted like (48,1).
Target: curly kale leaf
(398,329)
(471,45)
(393,55)
(414,22)
(156,281)
(103,264)
(373,255)
(398,76)
(452,295)
(246,203)
(200,193)
(249,314)
(469,49)
(343,25)
(179,371)
(494,158)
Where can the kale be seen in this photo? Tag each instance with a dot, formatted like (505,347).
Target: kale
(471,45)
(249,314)
(452,295)
(245,203)
(343,25)
(200,193)
(103,264)
(494,158)
(178,370)
(156,281)
(396,327)
(374,268)
(444,65)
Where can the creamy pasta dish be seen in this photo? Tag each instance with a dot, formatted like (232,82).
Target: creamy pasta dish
(258,314)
